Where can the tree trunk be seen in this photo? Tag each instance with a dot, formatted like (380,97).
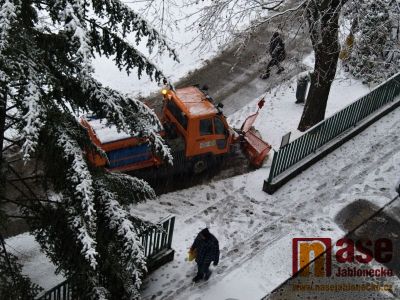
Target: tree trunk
(323,20)
(3,110)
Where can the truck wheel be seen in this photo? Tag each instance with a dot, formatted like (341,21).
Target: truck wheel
(199,166)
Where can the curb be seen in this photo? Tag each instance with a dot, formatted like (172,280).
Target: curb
(279,181)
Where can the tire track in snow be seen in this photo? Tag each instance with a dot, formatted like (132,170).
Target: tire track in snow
(372,161)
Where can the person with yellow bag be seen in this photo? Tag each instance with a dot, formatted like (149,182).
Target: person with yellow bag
(205,249)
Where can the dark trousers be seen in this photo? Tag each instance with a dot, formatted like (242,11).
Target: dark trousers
(203,269)
(273,62)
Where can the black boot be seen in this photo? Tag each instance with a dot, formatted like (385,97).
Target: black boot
(207,275)
(197,278)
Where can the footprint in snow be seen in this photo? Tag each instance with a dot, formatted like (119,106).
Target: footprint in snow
(252,200)
(390,169)
(275,214)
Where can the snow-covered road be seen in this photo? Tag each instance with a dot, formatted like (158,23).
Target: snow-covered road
(255,229)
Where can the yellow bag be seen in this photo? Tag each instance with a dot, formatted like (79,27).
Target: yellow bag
(192,255)
(347,47)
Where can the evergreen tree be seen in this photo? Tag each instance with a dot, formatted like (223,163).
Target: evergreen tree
(46,48)
(375,56)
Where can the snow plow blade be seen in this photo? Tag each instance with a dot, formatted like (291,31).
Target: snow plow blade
(252,145)
(255,148)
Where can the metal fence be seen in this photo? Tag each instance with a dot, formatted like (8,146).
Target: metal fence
(330,128)
(154,242)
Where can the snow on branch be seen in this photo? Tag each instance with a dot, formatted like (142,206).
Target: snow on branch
(100,293)
(224,20)
(133,187)
(132,254)
(126,56)
(79,176)
(73,16)
(88,243)
(122,16)
(33,120)
(8,15)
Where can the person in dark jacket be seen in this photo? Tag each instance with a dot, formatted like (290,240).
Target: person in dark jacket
(278,54)
(207,250)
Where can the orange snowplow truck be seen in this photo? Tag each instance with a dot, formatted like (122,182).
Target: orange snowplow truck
(194,128)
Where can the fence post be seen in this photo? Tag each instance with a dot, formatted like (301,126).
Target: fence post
(271,170)
(171,231)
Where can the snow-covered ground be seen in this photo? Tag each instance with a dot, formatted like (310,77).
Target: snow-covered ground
(35,263)
(255,229)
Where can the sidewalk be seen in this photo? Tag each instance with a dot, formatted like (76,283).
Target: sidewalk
(255,229)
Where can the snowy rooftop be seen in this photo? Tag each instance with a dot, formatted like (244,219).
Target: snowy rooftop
(195,101)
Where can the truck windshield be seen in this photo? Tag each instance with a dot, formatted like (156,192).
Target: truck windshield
(219,126)
(206,127)
(178,114)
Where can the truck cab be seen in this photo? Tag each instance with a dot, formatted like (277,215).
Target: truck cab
(192,114)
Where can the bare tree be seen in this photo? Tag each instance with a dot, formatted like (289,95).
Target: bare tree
(223,19)
(162,14)
(323,24)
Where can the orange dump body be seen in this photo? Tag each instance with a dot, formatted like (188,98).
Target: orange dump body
(125,154)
